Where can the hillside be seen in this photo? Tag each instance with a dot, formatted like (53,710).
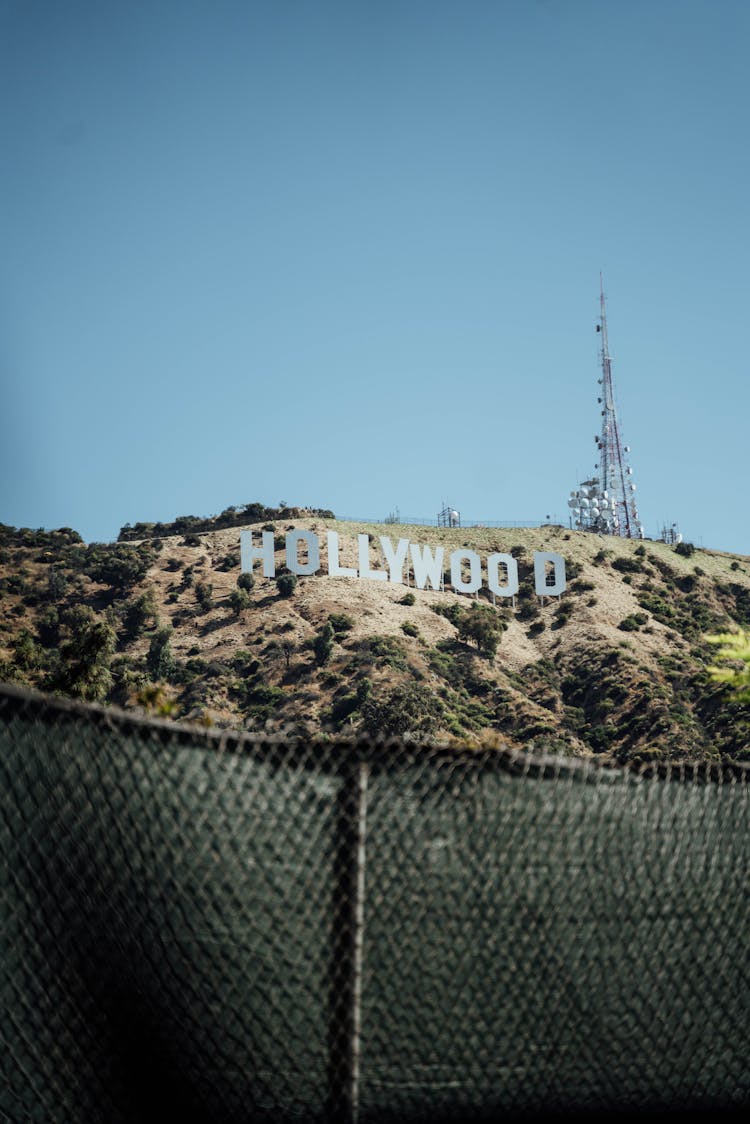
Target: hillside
(615,667)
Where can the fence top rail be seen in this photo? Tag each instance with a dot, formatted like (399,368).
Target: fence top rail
(53,710)
(433,521)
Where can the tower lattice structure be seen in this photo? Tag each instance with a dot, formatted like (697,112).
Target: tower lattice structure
(605,503)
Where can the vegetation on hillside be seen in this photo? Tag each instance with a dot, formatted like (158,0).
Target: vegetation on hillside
(234,516)
(619,667)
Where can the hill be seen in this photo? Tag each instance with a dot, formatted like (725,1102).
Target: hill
(616,667)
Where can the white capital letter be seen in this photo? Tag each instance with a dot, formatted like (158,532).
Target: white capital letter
(426,566)
(472,584)
(364,561)
(304,569)
(395,558)
(248,553)
(541,559)
(510,589)
(334,569)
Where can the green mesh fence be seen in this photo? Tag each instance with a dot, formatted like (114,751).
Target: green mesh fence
(222,928)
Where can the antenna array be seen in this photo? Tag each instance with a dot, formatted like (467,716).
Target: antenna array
(606,503)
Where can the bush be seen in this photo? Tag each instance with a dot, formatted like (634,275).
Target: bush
(245,581)
(286,584)
(408,599)
(117,566)
(160,660)
(627,565)
(409,628)
(204,594)
(340,622)
(482,627)
(685,549)
(139,612)
(323,643)
(408,710)
(86,656)
(239,599)
(228,562)
(57,584)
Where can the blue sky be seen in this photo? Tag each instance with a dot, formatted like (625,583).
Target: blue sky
(347,254)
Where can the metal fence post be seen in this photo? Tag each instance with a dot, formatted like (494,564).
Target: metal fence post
(348,922)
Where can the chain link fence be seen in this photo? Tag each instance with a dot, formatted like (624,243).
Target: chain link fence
(215,927)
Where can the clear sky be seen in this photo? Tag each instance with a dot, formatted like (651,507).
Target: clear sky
(346,253)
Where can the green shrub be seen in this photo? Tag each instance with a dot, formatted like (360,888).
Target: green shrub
(286,584)
(409,628)
(57,584)
(384,650)
(323,643)
(408,599)
(408,710)
(685,549)
(139,613)
(204,594)
(85,656)
(627,565)
(482,627)
(245,581)
(160,661)
(340,622)
(228,562)
(239,599)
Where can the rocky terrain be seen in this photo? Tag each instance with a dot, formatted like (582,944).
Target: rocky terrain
(166,623)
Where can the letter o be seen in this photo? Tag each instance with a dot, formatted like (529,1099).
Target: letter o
(510,589)
(475,566)
(304,569)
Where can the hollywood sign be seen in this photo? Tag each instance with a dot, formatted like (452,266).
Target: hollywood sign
(467,572)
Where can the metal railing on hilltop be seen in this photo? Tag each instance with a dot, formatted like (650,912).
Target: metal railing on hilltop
(426,521)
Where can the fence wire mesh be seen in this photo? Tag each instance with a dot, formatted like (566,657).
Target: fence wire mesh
(222,928)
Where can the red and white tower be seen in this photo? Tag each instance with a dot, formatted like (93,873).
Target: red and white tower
(606,502)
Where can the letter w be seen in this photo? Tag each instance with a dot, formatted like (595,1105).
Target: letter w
(427,567)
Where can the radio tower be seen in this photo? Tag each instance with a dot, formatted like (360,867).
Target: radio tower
(606,502)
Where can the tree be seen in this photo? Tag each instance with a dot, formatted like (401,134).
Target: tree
(482,627)
(160,660)
(239,599)
(286,584)
(323,643)
(409,710)
(57,584)
(203,594)
(86,655)
(138,612)
(734,649)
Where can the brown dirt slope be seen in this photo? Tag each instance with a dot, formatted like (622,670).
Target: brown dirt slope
(616,667)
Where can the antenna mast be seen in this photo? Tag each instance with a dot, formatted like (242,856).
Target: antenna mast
(606,502)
